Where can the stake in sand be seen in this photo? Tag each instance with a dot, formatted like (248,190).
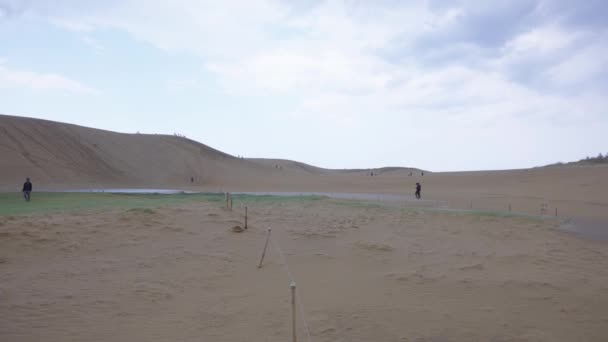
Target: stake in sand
(293,311)
(543,208)
(228,200)
(265,247)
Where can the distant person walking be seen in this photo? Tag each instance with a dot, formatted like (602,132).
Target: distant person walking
(418,189)
(27,189)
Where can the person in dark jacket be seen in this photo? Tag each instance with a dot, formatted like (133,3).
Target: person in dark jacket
(27,189)
(418,188)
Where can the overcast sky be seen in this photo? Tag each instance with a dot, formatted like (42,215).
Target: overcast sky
(440,85)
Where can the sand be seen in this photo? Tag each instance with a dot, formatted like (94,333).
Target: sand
(364,273)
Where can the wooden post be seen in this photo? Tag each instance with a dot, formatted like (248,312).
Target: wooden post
(293,311)
(265,246)
(226,199)
(230,202)
(555,212)
(245,217)
(509,207)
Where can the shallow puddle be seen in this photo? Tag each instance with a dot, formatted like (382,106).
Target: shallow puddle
(589,229)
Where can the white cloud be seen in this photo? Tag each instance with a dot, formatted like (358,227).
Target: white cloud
(209,28)
(93,43)
(180,85)
(72,25)
(40,81)
(582,66)
(330,58)
(544,39)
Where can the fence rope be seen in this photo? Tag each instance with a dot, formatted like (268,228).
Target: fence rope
(291,278)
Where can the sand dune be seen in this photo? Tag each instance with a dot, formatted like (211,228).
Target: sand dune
(58,155)
(64,156)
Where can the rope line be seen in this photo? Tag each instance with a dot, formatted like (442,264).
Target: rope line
(282,256)
(304,321)
(291,278)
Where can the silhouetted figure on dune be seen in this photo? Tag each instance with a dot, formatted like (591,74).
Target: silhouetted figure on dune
(27,189)
(418,189)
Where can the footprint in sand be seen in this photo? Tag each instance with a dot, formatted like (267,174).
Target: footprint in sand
(475,267)
(374,247)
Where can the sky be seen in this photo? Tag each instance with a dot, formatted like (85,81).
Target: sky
(438,85)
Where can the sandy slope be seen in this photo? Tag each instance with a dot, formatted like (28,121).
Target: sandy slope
(57,155)
(62,156)
(364,274)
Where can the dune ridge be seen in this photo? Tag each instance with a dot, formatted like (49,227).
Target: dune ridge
(62,155)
